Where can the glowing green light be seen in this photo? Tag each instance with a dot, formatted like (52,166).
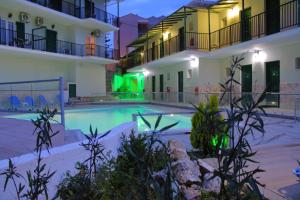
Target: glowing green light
(128,83)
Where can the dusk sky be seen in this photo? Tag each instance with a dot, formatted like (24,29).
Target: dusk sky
(148,8)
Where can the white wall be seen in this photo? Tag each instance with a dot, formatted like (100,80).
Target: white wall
(90,80)
(63,158)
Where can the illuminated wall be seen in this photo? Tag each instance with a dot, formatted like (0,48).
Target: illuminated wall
(130,82)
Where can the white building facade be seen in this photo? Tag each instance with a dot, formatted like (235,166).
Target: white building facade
(47,39)
(190,50)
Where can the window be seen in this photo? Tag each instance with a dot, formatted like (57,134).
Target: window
(90,45)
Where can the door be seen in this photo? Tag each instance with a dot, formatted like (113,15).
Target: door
(56,5)
(153,87)
(246,83)
(273,83)
(180,86)
(272,16)
(162,48)
(153,51)
(181,39)
(20,40)
(161,86)
(39,38)
(72,90)
(51,38)
(89,9)
(246,24)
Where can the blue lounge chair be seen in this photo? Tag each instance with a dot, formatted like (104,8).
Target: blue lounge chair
(43,101)
(14,102)
(296,172)
(28,102)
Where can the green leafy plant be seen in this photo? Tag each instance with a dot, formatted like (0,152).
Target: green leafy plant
(207,128)
(243,117)
(38,179)
(82,185)
(136,169)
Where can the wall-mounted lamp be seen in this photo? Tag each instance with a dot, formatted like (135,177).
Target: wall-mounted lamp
(142,54)
(194,61)
(10,15)
(53,26)
(146,73)
(235,11)
(259,56)
(166,35)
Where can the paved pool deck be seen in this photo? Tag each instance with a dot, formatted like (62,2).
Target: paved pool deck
(277,151)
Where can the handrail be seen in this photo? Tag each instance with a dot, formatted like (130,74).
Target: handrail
(78,11)
(37,42)
(229,35)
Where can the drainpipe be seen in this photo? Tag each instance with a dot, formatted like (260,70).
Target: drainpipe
(184,36)
(118,24)
(209,41)
(147,46)
(162,38)
(298,12)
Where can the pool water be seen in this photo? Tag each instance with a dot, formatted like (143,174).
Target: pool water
(106,118)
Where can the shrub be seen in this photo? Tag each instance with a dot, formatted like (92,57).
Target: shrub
(207,128)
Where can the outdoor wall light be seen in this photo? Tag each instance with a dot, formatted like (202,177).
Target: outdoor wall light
(259,56)
(142,54)
(194,61)
(166,35)
(146,73)
(235,11)
(10,15)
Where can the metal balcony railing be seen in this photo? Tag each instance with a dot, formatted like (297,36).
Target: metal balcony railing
(77,11)
(28,41)
(255,27)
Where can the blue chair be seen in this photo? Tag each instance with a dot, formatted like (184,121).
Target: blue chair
(14,102)
(43,101)
(29,102)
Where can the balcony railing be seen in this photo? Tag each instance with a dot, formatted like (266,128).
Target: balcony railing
(28,41)
(79,12)
(255,27)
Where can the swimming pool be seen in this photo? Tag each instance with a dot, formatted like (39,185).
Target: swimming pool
(105,118)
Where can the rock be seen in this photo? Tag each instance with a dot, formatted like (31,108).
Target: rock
(192,192)
(177,150)
(211,184)
(205,167)
(186,172)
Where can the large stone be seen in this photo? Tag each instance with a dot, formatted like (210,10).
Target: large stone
(177,150)
(205,167)
(186,172)
(211,184)
(192,192)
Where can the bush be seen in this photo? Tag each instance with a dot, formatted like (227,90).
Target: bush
(206,129)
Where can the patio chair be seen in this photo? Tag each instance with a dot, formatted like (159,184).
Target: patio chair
(43,101)
(14,102)
(28,102)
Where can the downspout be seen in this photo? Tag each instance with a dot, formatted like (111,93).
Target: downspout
(184,34)
(209,39)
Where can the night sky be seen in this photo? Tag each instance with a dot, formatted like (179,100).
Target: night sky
(148,8)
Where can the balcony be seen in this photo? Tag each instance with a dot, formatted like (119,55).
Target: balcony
(79,12)
(255,27)
(13,38)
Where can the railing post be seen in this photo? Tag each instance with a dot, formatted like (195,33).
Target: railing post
(62,100)
(209,34)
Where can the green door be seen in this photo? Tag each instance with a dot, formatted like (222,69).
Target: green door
(153,87)
(246,24)
(180,86)
(162,48)
(273,83)
(20,34)
(51,38)
(246,83)
(161,86)
(181,35)
(72,90)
